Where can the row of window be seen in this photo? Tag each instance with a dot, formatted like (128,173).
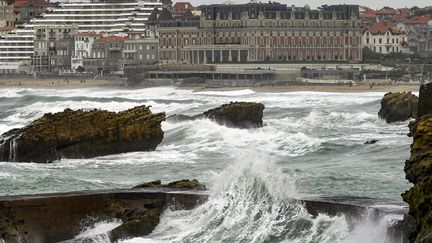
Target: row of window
(267,41)
(380,41)
(260,33)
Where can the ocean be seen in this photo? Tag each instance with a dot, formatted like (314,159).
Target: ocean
(312,144)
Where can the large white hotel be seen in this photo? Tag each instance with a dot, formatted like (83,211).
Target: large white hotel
(110,16)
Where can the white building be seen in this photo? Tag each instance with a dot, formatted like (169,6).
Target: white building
(83,47)
(16,50)
(111,16)
(384,38)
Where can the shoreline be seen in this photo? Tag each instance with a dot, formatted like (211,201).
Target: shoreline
(60,83)
(359,88)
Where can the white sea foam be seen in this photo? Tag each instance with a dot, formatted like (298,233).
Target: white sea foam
(226,93)
(98,233)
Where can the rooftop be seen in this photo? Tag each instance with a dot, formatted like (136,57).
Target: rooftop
(86,34)
(384,26)
(110,38)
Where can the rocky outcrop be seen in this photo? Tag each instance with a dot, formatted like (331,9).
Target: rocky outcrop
(83,134)
(181,184)
(234,114)
(60,217)
(418,169)
(399,106)
(425,106)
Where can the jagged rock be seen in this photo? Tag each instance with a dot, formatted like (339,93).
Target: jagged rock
(137,222)
(399,106)
(181,184)
(234,114)
(425,107)
(418,169)
(373,141)
(83,134)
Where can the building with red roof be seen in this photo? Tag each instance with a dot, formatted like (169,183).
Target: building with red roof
(368,17)
(383,37)
(29,9)
(6,30)
(180,8)
(386,13)
(106,53)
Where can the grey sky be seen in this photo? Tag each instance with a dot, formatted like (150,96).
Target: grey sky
(315,3)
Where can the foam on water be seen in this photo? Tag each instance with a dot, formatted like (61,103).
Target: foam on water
(97,233)
(311,143)
(226,93)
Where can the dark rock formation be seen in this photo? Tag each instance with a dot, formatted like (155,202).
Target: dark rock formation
(399,106)
(83,134)
(62,216)
(418,169)
(182,184)
(234,114)
(425,107)
(373,141)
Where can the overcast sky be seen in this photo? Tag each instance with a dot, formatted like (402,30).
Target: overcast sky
(315,3)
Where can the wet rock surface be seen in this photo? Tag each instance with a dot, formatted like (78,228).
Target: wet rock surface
(425,106)
(83,134)
(418,169)
(234,114)
(399,106)
(62,216)
(181,184)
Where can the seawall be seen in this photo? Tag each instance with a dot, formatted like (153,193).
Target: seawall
(60,216)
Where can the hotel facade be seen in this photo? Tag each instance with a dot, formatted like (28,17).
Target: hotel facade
(258,32)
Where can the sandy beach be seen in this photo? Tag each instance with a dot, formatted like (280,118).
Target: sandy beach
(60,83)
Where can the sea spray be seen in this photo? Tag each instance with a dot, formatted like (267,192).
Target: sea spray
(252,201)
(98,232)
(13,149)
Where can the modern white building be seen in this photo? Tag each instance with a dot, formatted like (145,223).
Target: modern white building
(16,50)
(111,16)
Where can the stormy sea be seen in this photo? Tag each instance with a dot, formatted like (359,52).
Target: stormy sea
(311,144)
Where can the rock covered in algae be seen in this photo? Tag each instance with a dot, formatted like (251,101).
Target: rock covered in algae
(83,134)
(234,114)
(181,184)
(399,106)
(418,169)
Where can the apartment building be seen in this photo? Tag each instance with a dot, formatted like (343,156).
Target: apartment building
(83,43)
(384,38)
(261,32)
(110,16)
(26,10)
(7,15)
(140,49)
(420,40)
(16,50)
(53,47)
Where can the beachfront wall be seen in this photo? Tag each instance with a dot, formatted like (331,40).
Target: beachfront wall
(257,32)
